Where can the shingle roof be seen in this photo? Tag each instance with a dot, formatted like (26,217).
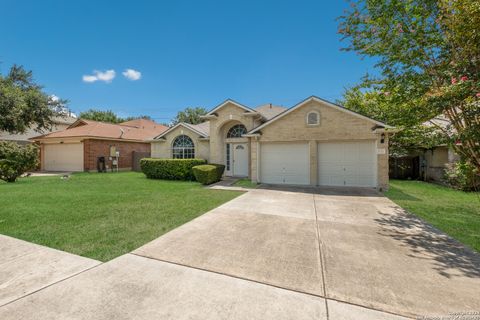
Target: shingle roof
(203,127)
(131,130)
(269,111)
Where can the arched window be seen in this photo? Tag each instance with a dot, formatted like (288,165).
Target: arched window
(313,118)
(236,131)
(183,148)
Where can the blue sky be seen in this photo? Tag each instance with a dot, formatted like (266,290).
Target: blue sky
(189,53)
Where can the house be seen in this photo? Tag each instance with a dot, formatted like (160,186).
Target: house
(313,143)
(81,146)
(428,164)
(59,123)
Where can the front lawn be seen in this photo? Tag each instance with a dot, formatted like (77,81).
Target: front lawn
(455,212)
(101,216)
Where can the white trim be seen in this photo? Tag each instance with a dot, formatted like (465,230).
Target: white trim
(319,100)
(183,124)
(232,102)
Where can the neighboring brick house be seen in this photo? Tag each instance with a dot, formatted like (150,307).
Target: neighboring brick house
(79,147)
(313,143)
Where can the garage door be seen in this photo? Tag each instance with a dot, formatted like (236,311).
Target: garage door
(63,157)
(347,164)
(284,163)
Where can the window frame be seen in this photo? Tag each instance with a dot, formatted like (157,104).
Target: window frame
(234,129)
(183,151)
(307,118)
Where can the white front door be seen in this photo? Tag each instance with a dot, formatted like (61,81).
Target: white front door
(285,163)
(347,164)
(240,159)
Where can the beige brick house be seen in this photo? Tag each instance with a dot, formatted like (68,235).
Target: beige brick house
(312,143)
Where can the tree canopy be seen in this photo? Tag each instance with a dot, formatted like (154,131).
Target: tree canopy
(190,115)
(23,104)
(107,116)
(428,54)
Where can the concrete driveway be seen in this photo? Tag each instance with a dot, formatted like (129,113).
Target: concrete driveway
(277,254)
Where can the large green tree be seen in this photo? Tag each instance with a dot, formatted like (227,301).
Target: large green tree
(107,116)
(428,54)
(23,104)
(190,115)
(412,134)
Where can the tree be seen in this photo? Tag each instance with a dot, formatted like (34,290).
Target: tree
(108,116)
(16,160)
(23,104)
(100,115)
(412,135)
(428,54)
(190,115)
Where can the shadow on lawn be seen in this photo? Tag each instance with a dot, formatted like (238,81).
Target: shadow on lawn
(450,258)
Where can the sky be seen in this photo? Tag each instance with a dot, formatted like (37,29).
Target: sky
(158,57)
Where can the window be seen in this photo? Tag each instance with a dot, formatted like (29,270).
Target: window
(313,118)
(228,156)
(236,131)
(183,148)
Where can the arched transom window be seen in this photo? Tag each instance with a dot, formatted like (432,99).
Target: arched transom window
(183,148)
(236,131)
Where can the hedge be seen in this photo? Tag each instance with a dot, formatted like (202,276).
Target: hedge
(170,169)
(208,173)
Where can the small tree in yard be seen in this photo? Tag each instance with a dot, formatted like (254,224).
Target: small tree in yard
(23,105)
(15,160)
(428,53)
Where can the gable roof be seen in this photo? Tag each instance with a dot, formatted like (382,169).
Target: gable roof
(96,129)
(320,100)
(224,103)
(199,129)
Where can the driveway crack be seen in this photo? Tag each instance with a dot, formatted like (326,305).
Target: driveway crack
(321,258)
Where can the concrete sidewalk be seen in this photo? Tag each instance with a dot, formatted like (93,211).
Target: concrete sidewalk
(26,268)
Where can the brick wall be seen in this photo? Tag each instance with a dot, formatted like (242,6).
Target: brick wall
(101,148)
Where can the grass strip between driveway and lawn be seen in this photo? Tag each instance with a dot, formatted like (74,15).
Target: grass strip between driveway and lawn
(101,216)
(456,213)
(246,183)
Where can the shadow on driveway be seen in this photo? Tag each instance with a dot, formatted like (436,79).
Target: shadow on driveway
(421,239)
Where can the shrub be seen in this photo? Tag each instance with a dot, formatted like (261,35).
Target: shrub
(463,176)
(208,173)
(15,160)
(169,169)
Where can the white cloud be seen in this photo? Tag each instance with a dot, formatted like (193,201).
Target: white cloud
(131,74)
(105,76)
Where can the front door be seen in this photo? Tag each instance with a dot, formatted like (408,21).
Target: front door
(240,159)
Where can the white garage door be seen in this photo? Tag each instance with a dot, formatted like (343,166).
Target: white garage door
(284,163)
(347,164)
(63,157)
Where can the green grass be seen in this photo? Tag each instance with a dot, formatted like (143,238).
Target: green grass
(245,183)
(101,216)
(455,212)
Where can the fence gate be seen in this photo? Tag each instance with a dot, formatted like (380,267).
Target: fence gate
(137,156)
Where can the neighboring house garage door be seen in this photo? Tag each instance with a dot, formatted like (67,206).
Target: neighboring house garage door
(63,157)
(347,164)
(284,163)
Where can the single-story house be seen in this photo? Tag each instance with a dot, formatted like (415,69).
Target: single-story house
(81,146)
(315,142)
(59,123)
